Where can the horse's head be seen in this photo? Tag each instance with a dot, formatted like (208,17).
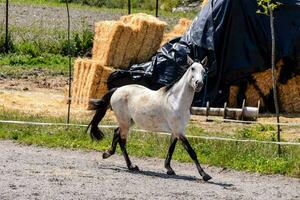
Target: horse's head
(196,74)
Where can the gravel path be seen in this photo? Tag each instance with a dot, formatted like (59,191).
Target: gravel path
(29,172)
(46,17)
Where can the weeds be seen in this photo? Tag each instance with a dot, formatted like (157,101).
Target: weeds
(15,65)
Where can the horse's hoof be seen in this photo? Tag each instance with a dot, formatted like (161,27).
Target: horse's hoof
(171,172)
(134,168)
(206,177)
(106,154)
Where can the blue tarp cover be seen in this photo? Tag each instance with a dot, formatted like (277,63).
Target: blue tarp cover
(236,40)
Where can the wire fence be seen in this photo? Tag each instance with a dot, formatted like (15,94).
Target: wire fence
(43,27)
(145,131)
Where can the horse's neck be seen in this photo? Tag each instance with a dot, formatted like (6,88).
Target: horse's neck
(181,95)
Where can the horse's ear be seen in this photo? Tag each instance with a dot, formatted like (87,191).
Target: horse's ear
(204,61)
(189,61)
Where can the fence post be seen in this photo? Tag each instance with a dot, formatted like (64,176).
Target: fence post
(6,28)
(156,13)
(70,68)
(129,7)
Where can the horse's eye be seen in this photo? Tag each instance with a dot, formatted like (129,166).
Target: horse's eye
(193,69)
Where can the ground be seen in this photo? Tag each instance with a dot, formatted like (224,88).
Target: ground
(30,172)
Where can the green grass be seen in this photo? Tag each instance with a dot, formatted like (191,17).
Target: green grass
(15,65)
(241,156)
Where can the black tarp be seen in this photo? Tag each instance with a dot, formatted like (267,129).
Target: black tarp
(236,40)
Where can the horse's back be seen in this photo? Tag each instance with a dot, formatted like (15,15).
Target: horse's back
(140,104)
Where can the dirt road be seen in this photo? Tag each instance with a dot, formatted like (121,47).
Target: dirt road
(29,172)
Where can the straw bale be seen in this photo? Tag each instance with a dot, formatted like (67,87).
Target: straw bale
(232,99)
(132,39)
(99,86)
(122,47)
(107,37)
(289,95)
(177,31)
(90,81)
(102,89)
(76,78)
(157,39)
(86,67)
(97,70)
(152,36)
(136,41)
(252,96)
(79,82)
(264,79)
(182,26)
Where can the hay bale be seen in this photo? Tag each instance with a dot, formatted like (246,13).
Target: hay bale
(136,41)
(263,80)
(153,35)
(90,81)
(232,99)
(132,39)
(252,96)
(99,85)
(122,47)
(76,79)
(106,40)
(289,95)
(85,68)
(182,26)
(102,86)
(177,31)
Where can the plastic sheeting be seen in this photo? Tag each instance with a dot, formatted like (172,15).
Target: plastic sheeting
(236,40)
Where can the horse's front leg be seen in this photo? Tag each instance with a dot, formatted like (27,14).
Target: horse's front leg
(173,142)
(193,155)
(114,143)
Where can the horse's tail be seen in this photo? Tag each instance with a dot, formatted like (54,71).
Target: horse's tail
(101,107)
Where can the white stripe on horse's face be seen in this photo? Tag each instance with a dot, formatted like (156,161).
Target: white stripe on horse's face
(196,76)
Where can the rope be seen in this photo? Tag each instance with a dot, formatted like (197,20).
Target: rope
(144,131)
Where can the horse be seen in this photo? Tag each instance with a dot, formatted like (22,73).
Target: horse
(164,110)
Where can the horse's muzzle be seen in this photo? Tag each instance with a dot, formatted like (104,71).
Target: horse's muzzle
(198,87)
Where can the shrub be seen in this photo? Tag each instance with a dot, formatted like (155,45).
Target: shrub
(10,42)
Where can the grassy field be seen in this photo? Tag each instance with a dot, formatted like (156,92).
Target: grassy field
(252,157)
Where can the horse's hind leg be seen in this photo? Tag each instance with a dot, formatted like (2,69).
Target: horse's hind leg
(193,155)
(170,171)
(122,143)
(114,143)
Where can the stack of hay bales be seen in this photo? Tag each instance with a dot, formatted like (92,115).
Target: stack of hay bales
(117,44)
(288,94)
(178,30)
(132,39)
